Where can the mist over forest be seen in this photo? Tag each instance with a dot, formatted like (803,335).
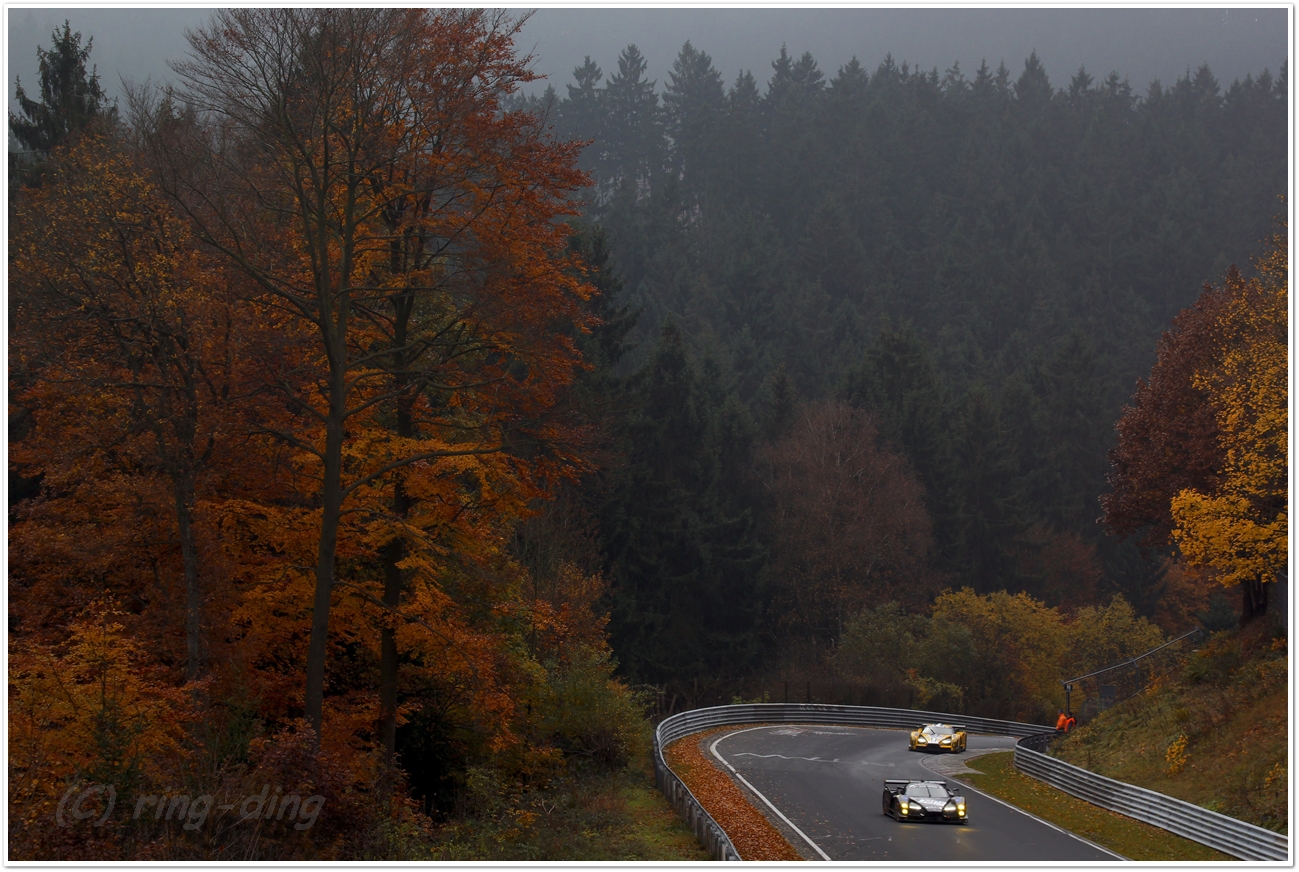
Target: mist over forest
(979,261)
(555,406)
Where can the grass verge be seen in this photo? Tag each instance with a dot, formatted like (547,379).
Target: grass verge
(1216,734)
(1123,835)
(593,816)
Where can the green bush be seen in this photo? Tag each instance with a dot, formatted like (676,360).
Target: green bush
(995,655)
(589,714)
(878,644)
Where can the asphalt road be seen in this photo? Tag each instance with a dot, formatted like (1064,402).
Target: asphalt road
(828,783)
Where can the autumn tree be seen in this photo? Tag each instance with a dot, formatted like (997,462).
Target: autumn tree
(848,522)
(995,655)
(355,166)
(1168,435)
(132,347)
(70,99)
(1240,526)
(1201,456)
(1022,647)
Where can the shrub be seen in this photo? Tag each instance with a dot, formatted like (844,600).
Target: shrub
(879,644)
(588,713)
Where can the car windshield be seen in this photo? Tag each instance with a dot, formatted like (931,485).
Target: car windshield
(940,729)
(920,790)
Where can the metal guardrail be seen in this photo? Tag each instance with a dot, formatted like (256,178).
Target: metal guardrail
(1218,831)
(707,830)
(1189,821)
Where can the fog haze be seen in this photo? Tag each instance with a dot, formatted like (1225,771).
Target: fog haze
(1140,44)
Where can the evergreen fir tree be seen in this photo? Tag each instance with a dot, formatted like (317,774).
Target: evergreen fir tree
(684,565)
(70,100)
(633,128)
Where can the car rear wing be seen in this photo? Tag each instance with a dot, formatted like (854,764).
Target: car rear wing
(960,729)
(893,785)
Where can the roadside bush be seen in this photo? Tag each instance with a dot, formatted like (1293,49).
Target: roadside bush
(589,714)
(879,644)
(947,651)
(992,655)
(937,695)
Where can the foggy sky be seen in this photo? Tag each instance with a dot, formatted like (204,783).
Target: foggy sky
(1140,44)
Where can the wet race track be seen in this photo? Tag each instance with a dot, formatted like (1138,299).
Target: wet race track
(828,783)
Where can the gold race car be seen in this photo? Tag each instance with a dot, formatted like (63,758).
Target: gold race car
(938,737)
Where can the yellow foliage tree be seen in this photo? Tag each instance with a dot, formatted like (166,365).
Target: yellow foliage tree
(1240,529)
(91,712)
(1018,641)
(1023,648)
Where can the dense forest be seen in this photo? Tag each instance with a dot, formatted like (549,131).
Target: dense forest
(980,265)
(388,435)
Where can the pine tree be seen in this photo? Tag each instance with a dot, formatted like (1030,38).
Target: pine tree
(684,567)
(70,99)
(582,115)
(633,127)
(987,509)
(692,102)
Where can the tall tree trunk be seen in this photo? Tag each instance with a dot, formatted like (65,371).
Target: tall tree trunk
(183,488)
(1253,600)
(392,585)
(332,499)
(392,554)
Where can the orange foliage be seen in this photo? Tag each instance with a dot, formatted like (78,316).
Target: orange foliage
(131,355)
(416,233)
(240,389)
(1063,568)
(1187,590)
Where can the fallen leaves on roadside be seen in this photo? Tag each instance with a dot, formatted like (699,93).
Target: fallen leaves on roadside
(750,832)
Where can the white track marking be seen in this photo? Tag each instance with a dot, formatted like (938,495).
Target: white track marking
(1030,814)
(783,757)
(758,793)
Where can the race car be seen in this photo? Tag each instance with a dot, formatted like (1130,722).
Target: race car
(923,801)
(938,737)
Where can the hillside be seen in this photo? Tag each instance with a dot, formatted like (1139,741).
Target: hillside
(1214,734)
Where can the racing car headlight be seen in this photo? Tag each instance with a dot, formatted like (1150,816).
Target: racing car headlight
(921,740)
(947,741)
(904,805)
(960,809)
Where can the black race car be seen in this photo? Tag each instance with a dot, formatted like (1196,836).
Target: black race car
(923,801)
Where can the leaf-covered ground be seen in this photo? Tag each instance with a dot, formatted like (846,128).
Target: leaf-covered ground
(752,834)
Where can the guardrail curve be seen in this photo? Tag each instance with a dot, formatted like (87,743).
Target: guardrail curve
(1190,821)
(1218,831)
(707,830)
